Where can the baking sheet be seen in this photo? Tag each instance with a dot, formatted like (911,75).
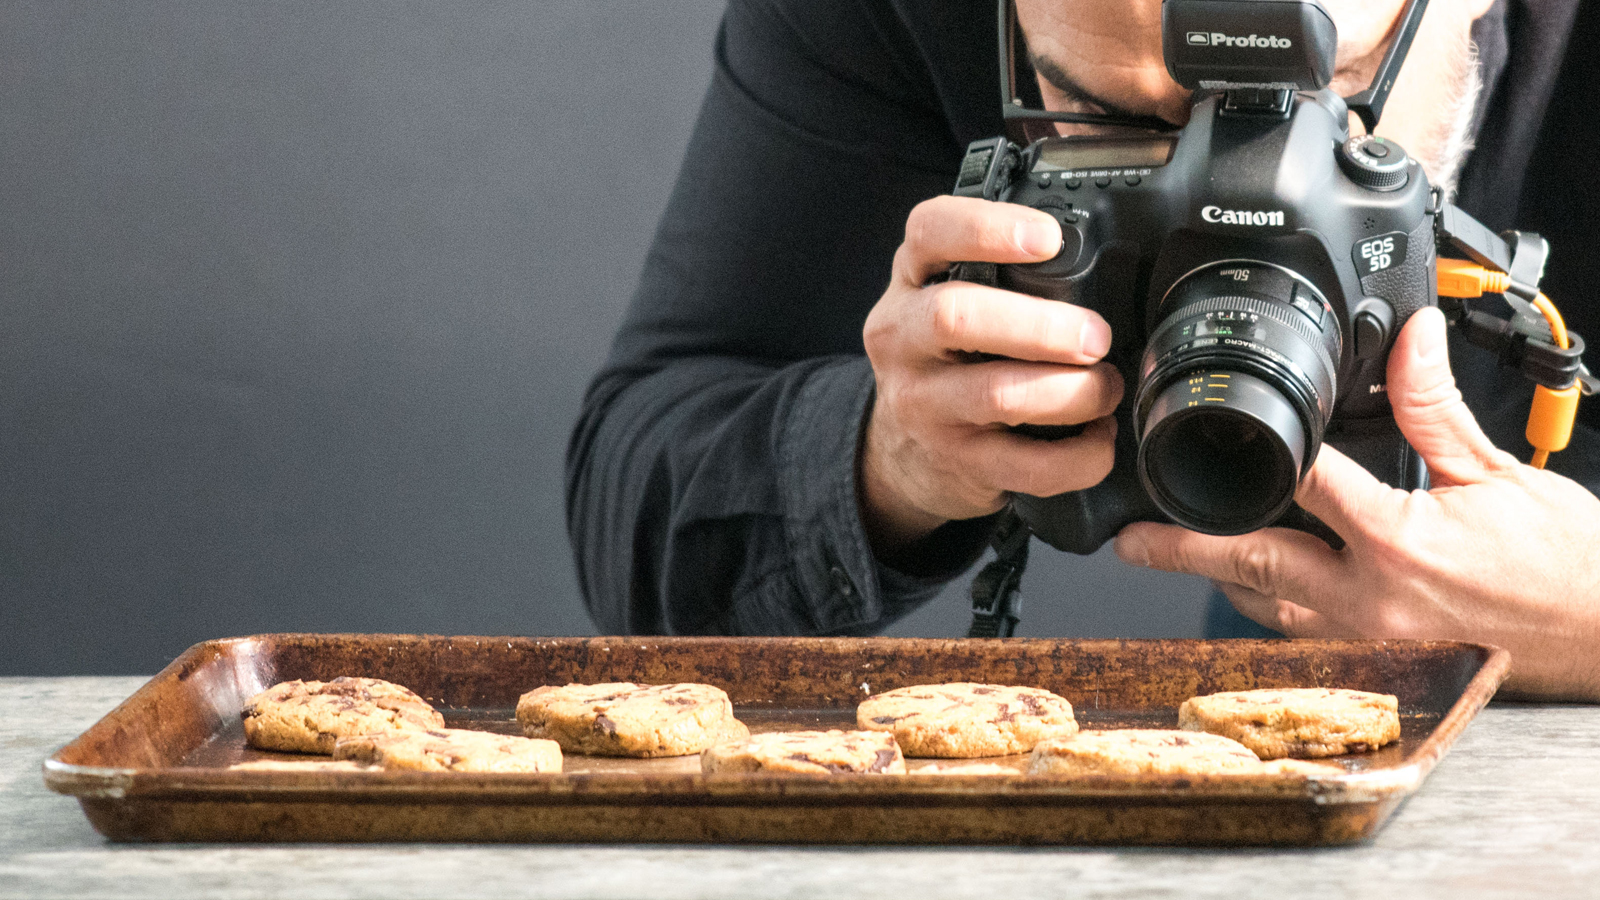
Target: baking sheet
(156,767)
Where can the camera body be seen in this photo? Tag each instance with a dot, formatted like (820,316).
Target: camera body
(1254,267)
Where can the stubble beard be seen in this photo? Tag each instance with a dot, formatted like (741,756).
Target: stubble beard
(1446,146)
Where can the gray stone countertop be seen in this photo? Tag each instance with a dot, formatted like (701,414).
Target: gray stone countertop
(1513,811)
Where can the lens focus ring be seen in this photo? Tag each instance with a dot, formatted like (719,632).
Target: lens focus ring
(1243,303)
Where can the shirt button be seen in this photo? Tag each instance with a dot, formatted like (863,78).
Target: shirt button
(841,582)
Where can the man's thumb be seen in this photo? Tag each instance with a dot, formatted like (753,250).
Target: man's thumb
(1428,405)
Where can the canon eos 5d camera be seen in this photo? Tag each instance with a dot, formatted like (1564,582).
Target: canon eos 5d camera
(1254,265)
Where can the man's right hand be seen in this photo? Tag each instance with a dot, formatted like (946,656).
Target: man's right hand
(937,445)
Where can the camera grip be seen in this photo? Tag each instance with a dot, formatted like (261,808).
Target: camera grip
(1082,521)
(1411,285)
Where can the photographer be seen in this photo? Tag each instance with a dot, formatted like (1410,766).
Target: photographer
(740,467)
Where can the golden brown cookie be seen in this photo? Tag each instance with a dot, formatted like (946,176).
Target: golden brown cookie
(1303,723)
(451,750)
(1141,751)
(808,752)
(311,716)
(622,719)
(964,719)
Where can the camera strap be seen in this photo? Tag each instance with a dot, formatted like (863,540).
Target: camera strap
(997,588)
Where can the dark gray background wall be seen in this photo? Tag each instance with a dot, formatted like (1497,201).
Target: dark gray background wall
(297,303)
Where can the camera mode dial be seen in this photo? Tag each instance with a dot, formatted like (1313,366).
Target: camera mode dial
(1375,163)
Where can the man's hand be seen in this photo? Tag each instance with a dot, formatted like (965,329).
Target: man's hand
(1497,552)
(937,446)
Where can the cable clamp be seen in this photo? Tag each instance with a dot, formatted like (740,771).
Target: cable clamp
(1539,360)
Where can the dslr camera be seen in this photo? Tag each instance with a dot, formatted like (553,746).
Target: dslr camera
(1254,265)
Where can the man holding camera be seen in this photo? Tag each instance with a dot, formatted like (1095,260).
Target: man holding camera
(741,468)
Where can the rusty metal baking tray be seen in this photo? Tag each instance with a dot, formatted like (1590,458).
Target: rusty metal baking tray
(155,768)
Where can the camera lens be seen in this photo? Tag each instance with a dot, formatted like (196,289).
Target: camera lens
(1237,388)
(1227,463)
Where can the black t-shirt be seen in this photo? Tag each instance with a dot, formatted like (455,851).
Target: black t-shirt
(711,478)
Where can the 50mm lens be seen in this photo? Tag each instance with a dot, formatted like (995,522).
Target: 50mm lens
(1236,390)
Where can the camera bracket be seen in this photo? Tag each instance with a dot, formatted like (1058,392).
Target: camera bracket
(1368,104)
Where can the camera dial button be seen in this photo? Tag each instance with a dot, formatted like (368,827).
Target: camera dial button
(1374,163)
(1102,182)
(1074,183)
(1132,180)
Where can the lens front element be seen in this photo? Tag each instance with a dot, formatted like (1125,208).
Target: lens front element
(1222,451)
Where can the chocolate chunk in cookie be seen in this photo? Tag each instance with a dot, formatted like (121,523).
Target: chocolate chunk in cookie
(311,716)
(967,720)
(623,719)
(1301,723)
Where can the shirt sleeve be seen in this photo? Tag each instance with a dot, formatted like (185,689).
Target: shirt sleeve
(711,478)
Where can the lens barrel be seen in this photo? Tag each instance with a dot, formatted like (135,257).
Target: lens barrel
(1237,389)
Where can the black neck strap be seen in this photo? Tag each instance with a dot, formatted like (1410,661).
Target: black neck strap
(997,588)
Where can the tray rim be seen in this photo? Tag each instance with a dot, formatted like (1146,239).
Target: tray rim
(178,783)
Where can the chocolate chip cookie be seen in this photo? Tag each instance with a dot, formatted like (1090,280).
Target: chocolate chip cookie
(1302,723)
(623,719)
(451,750)
(311,716)
(808,752)
(1141,751)
(966,720)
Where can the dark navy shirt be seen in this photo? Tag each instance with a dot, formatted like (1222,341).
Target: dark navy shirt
(711,479)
